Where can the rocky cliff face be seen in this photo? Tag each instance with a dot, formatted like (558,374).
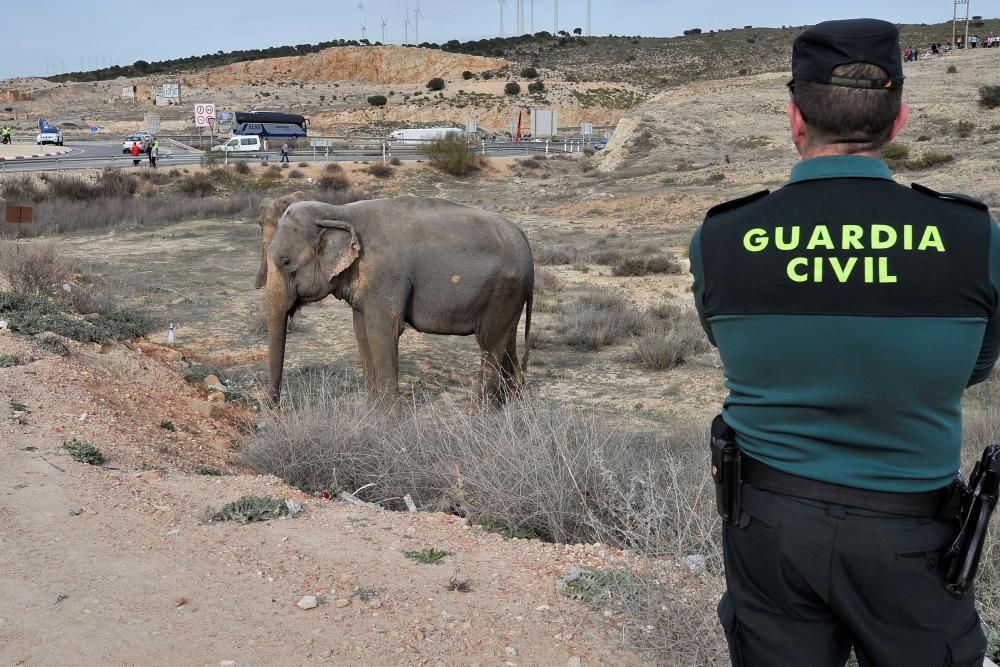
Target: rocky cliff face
(374,64)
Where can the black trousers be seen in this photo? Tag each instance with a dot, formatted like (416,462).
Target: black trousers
(808,580)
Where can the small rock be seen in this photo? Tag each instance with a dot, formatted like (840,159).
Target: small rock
(309,602)
(510,651)
(694,562)
(343,602)
(543,607)
(3,324)
(227,663)
(216,396)
(574,661)
(211,381)
(180,601)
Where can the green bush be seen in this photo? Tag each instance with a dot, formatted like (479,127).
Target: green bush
(964,129)
(529,73)
(437,83)
(84,452)
(952,69)
(896,151)
(512,88)
(487,75)
(452,155)
(377,100)
(467,75)
(536,87)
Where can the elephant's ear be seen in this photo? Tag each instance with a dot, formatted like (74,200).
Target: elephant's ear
(338,248)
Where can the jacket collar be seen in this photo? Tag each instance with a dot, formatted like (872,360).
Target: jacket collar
(840,166)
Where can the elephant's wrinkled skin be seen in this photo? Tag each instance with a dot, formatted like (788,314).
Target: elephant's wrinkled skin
(270,210)
(438,266)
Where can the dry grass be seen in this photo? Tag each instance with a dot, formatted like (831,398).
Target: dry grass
(672,341)
(599,318)
(35,267)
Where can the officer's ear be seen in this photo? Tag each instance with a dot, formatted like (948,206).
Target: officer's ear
(800,132)
(897,125)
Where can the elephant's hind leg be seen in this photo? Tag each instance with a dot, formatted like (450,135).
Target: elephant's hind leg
(499,373)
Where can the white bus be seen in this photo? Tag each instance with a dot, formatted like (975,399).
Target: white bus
(423,135)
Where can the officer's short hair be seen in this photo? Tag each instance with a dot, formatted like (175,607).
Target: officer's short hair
(847,115)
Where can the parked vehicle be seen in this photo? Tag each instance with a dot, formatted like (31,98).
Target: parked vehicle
(145,134)
(269,124)
(134,139)
(240,143)
(49,135)
(422,135)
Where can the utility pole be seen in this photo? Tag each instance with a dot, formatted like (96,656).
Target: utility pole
(588,18)
(954,23)
(555,30)
(406,27)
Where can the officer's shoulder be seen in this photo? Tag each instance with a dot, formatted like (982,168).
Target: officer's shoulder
(736,203)
(950,196)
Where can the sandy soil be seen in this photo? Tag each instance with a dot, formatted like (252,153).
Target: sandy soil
(112,565)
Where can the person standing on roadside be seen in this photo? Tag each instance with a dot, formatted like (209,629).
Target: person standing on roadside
(135,153)
(154,152)
(850,312)
(284,152)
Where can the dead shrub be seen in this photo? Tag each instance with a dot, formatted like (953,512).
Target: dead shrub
(537,466)
(35,267)
(380,170)
(242,168)
(553,254)
(333,168)
(295,173)
(546,281)
(22,189)
(196,185)
(599,318)
(333,181)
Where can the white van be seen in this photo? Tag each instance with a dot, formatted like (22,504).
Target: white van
(240,142)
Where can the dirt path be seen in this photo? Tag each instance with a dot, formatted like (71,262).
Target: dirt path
(113,566)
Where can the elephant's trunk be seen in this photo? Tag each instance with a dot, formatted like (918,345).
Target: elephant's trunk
(261,279)
(279,303)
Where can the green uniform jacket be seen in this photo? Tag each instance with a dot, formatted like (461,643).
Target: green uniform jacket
(850,313)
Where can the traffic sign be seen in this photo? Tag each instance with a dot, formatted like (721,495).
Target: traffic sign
(204,115)
(321,143)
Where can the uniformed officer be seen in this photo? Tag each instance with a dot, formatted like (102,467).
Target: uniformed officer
(850,313)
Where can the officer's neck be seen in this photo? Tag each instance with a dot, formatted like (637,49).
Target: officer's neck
(809,151)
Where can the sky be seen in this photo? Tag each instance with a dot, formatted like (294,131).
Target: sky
(87,35)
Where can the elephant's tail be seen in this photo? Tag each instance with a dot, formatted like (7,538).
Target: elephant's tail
(527,331)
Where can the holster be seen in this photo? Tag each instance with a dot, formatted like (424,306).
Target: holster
(726,474)
(978,500)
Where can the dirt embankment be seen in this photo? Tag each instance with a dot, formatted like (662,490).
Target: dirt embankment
(378,64)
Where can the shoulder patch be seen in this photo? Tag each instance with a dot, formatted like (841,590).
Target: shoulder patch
(736,203)
(951,196)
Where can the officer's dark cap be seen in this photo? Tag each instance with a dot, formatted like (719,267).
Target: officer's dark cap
(830,44)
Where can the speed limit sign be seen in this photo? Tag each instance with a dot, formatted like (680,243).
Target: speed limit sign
(204,115)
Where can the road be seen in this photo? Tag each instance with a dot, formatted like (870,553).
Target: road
(89,155)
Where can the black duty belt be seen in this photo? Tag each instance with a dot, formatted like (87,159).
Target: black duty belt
(928,504)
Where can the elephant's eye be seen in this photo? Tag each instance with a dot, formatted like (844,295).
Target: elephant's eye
(285,261)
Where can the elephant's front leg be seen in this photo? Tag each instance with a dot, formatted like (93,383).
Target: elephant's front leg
(382,332)
(364,351)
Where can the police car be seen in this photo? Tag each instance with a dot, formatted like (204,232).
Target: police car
(49,135)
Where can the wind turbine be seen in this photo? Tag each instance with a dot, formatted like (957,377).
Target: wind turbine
(416,23)
(364,30)
(532,17)
(502,3)
(385,21)
(555,31)
(588,18)
(406,27)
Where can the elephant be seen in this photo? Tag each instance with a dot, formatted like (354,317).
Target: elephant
(270,210)
(438,266)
